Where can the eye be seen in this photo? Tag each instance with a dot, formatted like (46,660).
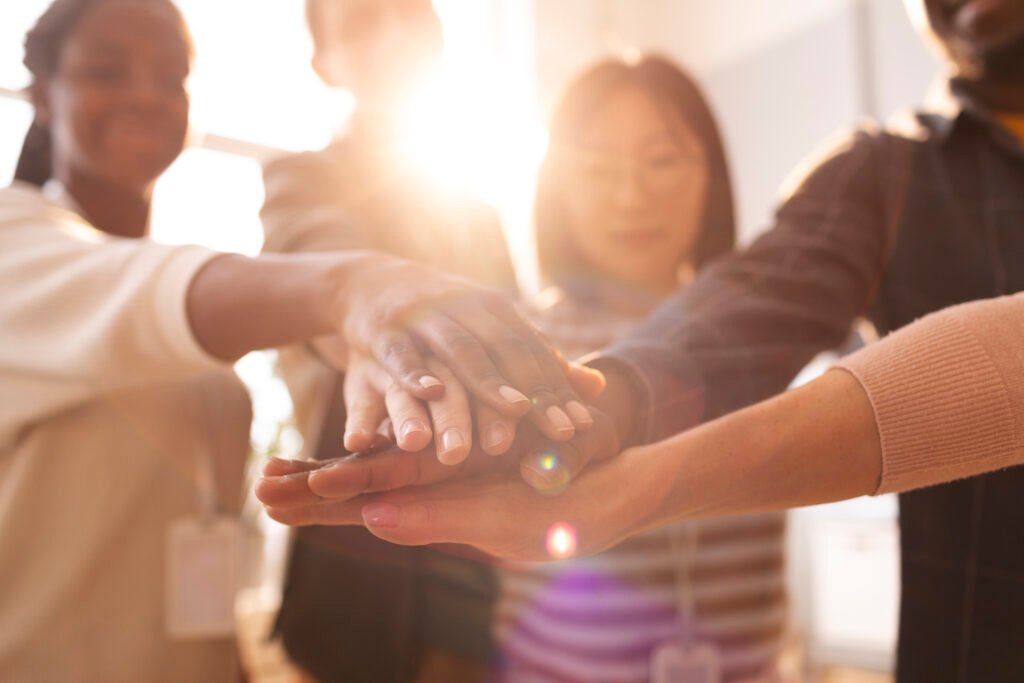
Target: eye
(104,73)
(663,161)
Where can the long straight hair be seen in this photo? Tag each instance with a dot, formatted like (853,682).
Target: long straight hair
(677,96)
(44,46)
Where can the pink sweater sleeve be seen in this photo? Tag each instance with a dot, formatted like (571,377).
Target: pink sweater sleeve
(948,393)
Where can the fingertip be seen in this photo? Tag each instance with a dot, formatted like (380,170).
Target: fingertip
(276,466)
(453,448)
(380,516)
(414,436)
(359,440)
(559,427)
(579,415)
(331,482)
(514,398)
(498,440)
(260,489)
(429,382)
(424,386)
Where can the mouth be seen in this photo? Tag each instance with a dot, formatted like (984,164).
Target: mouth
(136,131)
(638,237)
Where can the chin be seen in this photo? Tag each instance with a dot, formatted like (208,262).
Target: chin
(1004,63)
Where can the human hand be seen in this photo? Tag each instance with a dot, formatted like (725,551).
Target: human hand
(498,513)
(399,312)
(307,492)
(373,397)
(376,404)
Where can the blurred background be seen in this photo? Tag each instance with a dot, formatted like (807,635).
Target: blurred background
(782,77)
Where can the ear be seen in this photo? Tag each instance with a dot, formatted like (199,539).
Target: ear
(39,95)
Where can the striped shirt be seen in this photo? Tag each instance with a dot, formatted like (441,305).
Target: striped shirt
(717,582)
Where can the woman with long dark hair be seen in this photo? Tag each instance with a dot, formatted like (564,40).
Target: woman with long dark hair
(633,198)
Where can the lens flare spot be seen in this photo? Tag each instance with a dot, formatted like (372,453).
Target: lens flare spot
(561,541)
(548,462)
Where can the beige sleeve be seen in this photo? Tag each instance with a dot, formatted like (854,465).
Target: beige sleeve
(83,313)
(302,210)
(948,393)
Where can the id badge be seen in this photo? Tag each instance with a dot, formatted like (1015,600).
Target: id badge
(676,663)
(203,570)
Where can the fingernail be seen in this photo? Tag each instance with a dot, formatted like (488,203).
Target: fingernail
(428,382)
(579,414)
(512,395)
(451,440)
(410,427)
(380,514)
(559,420)
(497,435)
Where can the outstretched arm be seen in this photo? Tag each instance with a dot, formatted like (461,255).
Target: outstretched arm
(941,399)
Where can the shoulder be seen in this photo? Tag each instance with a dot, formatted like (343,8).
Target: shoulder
(21,203)
(18,195)
(852,159)
(304,164)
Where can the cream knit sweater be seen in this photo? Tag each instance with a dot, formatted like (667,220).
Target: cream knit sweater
(106,400)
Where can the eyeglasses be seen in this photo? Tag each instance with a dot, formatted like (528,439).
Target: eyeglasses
(658,171)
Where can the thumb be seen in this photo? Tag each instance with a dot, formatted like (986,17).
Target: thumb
(587,382)
(415,522)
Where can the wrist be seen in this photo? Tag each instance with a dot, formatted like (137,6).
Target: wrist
(620,399)
(338,288)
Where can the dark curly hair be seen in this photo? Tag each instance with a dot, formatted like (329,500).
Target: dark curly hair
(44,46)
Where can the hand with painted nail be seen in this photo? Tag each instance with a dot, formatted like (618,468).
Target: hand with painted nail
(373,398)
(455,420)
(401,313)
(301,493)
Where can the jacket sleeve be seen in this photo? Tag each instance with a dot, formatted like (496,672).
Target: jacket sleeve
(749,322)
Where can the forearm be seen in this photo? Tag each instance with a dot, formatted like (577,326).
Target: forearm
(237,304)
(815,444)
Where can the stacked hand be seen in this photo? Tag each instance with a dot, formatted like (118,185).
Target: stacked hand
(502,504)
(458,397)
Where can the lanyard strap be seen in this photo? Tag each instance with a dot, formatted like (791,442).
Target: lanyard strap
(205,478)
(682,539)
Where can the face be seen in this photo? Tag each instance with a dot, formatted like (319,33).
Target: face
(635,192)
(984,38)
(377,48)
(118,106)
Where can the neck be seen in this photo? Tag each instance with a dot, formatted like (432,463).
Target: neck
(376,121)
(114,209)
(638,297)
(1002,97)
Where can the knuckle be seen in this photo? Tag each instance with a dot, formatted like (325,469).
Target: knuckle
(459,343)
(427,513)
(395,348)
(515,346)
(542,393)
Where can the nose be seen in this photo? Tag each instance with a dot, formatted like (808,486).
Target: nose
(629,191)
